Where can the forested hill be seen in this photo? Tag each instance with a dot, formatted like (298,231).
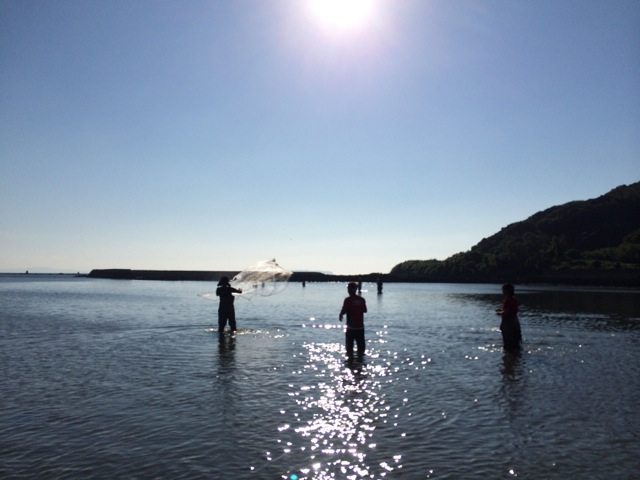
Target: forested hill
(594,241)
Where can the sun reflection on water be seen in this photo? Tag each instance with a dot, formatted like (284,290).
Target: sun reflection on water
(341,411)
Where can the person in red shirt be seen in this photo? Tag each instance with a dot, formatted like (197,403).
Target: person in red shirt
(510,325)
(354,307)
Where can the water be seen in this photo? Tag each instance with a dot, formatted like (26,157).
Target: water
(124,379)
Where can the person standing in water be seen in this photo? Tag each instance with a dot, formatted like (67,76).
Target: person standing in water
(226,310)
(354,306)
(510,325)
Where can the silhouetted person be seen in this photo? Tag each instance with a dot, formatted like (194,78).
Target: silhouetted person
(354,306)
(226,310)
(359,288)
(379,286)
(510,325)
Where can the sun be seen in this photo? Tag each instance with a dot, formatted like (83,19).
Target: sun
(342,15)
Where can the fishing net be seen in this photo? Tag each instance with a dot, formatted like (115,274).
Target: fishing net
(262,279)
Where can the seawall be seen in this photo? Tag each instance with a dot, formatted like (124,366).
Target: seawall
(214,275)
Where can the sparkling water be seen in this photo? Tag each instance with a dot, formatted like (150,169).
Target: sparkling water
(129,379)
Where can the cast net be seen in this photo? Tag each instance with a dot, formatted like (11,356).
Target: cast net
(262,279)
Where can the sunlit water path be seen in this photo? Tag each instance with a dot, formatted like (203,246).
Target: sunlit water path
(119,379)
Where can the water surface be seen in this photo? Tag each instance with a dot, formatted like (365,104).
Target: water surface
(126,379)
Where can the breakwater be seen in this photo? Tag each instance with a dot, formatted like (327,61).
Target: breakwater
(214,275)
(129,274)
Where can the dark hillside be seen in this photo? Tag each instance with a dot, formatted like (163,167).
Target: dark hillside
(593,241)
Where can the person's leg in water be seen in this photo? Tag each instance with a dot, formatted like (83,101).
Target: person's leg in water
(222,320)
(511,338)
(349,338)
(359,337)
(232,320)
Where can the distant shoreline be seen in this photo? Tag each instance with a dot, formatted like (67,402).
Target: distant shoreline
(41,274)
(214,275)
(591,278)
(561,278)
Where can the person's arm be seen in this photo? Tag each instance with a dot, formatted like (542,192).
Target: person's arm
(364,306)
(344,309)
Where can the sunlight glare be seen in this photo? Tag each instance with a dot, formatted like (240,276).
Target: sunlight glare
(342,15)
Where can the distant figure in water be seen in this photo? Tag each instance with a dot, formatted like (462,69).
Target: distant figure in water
(510,325)
(379,286)
(354,306)
(226,310)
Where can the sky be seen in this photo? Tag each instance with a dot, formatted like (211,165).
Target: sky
(346,138)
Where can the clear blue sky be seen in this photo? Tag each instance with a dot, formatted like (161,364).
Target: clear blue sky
(213,134)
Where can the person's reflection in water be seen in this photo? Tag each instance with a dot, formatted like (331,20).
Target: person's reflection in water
(224,399)
(353,383)
(226,350)
(511,364)
(513,393)
(356,365)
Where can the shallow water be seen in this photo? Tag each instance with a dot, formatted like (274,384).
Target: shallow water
(125,379)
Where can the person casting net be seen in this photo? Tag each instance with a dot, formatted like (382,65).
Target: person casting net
(264,279)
